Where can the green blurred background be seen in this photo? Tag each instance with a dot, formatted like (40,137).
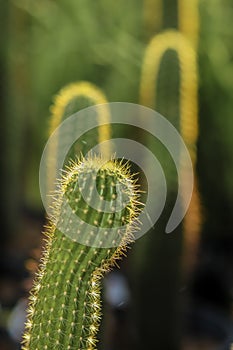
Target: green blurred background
(173,304)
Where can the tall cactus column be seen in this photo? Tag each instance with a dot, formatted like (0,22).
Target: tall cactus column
(160,89)
(169,85)
(176,99)
(65,304)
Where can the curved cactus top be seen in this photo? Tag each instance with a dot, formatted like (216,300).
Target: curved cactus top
(187,89)
(64,311)
(101,195)
(73,98)
(64,101)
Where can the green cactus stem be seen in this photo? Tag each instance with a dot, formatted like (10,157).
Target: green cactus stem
(64,310)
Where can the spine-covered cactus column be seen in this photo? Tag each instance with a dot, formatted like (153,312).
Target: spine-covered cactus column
(64,310)
(71,99)
(157,88)
(74,97)
(161,84)
(168,85)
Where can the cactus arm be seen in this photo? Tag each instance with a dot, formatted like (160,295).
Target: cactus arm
(64,311)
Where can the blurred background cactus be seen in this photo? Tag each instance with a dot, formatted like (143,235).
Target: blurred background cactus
(169,85)
(49,45)
(72,99)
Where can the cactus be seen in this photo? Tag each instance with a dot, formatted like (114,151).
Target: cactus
(161,84)
(71,99)
(186,96)
(182,15)
(75,97)
(183,102)
(64,310)
(169,85)
(188,20)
